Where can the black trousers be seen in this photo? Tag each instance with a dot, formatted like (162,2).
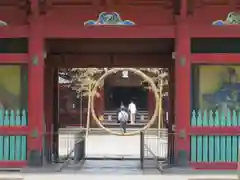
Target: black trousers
(123,125)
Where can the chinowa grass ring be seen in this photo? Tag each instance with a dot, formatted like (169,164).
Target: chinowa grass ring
(144,77)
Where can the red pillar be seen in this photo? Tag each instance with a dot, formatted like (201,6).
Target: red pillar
(48,105)
(182,90)
(36,92)
(99,102)
(151,103)
(102,103)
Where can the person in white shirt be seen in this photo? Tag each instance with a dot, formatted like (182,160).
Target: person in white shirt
(132,108)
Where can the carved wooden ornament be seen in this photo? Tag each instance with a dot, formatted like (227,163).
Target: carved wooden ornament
(109,18)
(35,60)
(182,60)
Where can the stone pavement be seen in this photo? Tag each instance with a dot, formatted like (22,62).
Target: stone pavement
(114,146)
(110,146)
(77,176)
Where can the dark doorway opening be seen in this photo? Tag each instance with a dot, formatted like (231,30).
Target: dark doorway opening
(117,95)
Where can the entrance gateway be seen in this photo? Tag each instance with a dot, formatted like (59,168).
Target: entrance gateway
(199,66)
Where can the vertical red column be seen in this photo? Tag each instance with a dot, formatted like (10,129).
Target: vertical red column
(102,105)
(151,103)
(99,102)
(182,89)
(48,107)
(36,92)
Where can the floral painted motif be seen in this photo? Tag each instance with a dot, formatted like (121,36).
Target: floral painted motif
(233,18)
(112,19)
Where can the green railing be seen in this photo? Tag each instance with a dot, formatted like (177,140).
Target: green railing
(215,148)
(13,147)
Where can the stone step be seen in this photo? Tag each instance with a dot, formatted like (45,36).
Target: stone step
(139,117)
(115,112)
(72,130)
(150,131)
(129,126)
(115,121)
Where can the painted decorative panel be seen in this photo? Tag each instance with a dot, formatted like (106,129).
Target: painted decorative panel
(216,87)
(13,87)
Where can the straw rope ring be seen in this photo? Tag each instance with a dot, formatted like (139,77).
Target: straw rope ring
(142,75)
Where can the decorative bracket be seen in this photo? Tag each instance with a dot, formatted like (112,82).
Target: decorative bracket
(35,60)
(34,133)
(109,18)
(3,23)
(182,134)
(182,60)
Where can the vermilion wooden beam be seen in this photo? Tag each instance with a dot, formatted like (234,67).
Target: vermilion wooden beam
(34,7)
(101,60)
(214,166)
(183,10)
(210,31)
(109,32)
(15,130)
(14,32)
(216,58)
(14,58)
(13,164)
(224,131)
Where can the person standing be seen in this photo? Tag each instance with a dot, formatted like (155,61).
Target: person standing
(132,108)
(123,118)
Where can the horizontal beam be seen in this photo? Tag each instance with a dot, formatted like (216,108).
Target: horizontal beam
(214,166)
(212,131)
(216,58)
(14,130)
(13,164)
(210,31)
(14,32)
(14,58)
(81,31)
(116,60)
